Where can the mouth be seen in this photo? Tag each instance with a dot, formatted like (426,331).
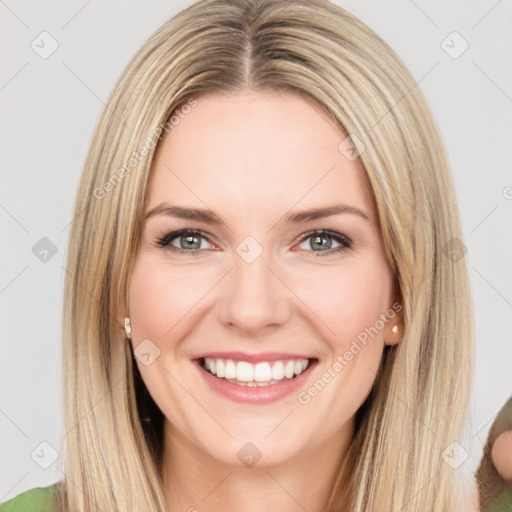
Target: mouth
(254,378)
(263,373)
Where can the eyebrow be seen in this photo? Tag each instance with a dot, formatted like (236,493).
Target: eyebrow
(211,217)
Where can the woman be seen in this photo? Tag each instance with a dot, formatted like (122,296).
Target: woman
(212,360)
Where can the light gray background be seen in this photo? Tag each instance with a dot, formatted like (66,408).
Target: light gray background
(50,108)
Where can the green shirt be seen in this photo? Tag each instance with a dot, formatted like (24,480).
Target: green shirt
(38,499)
(503,503)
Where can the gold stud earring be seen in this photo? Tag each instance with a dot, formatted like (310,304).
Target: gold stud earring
(127,328)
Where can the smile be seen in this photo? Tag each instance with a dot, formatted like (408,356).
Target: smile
(257,379)
(244,373)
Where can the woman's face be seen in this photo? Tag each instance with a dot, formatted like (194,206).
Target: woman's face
(250,291)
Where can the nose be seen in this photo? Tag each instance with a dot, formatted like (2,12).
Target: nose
(254,298)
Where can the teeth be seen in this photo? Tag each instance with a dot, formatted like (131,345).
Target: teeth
(278,370)
(230,372)
(244,371)
(289,369)
(260,374)
(220,368)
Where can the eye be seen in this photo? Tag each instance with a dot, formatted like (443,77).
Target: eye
(321,239)
(189,240)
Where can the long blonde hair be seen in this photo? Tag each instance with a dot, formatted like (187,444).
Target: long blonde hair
(311,47)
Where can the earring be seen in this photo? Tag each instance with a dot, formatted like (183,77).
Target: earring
(127,328)
(394,329)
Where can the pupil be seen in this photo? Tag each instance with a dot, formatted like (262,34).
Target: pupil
(320,244)
(190,241)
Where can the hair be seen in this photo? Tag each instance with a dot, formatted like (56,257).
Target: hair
(313,48)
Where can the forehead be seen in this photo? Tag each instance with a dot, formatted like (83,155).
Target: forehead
(249,150)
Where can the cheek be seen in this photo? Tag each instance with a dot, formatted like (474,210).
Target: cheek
(350,303)
(160,297)
(351,300)
(161,300)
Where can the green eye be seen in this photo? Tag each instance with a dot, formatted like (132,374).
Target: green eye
(190,240)
(320,244)
(322,240)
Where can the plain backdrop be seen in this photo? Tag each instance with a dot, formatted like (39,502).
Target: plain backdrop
(50,107)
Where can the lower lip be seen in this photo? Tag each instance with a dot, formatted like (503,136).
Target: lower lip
(255,395)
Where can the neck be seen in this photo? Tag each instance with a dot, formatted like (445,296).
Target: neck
(195,481)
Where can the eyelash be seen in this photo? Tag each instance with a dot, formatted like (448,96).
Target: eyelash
(345,242)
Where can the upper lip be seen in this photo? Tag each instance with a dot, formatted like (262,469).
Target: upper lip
(252,358)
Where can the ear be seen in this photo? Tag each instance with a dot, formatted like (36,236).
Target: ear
(394,329)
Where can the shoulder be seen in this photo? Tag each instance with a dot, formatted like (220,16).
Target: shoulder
(38,499)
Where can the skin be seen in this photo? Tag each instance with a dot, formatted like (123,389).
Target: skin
(501,454)
(253,157)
